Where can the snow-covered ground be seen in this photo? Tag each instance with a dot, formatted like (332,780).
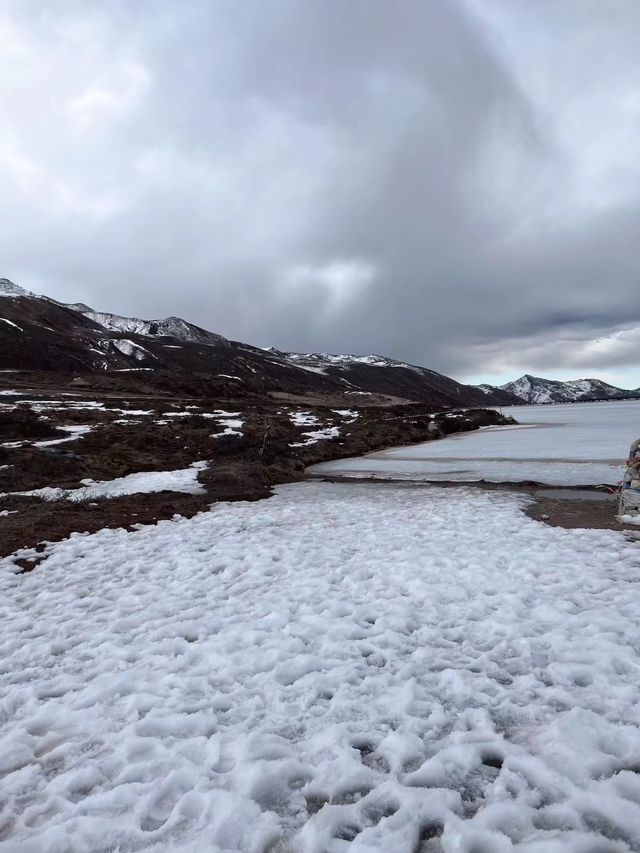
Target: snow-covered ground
(570,444)
(143,482)
(369,667)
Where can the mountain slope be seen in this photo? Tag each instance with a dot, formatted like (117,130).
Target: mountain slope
(537,390)
(383,375)
(42,334)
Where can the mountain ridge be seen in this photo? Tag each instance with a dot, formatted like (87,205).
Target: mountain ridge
(537,390)
(42,334)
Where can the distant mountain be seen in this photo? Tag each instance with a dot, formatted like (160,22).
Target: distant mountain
(41,334)
(536,390)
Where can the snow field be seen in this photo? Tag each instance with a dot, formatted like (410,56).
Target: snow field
(440,673)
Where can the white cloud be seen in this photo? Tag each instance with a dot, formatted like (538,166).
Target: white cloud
(116,92)
(612,355)
(341,281)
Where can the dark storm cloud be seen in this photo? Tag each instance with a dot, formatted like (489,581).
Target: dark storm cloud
(449,183)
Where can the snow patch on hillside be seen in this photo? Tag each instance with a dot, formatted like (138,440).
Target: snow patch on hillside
(232,426)
(182,480)
(321,361)
(130,348)
(75,431)
(313,436)
(303,419)
(9,323)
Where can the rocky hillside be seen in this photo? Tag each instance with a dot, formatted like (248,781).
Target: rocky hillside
(39,334)
(535,390)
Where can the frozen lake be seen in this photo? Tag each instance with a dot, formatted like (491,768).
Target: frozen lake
(573,444)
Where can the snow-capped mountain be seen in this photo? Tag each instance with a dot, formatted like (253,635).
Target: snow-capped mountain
(537,390)
(486,389)
(324,360)
(173,327)
(9,289)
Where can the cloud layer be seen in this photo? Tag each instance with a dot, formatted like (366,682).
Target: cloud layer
(456,184)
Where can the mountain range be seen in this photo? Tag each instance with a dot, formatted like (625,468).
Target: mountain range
(536,390)
(39,334)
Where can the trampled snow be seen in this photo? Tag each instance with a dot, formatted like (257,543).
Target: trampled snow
(572,444)
(361,667)
(181,480)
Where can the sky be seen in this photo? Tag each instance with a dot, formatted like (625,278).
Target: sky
(454,183)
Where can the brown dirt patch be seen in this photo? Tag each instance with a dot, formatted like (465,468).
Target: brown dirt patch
(575,513)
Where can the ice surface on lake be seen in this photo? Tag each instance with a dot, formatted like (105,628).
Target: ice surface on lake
(369,667)
(573,444)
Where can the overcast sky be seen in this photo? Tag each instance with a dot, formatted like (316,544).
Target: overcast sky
(455,183)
